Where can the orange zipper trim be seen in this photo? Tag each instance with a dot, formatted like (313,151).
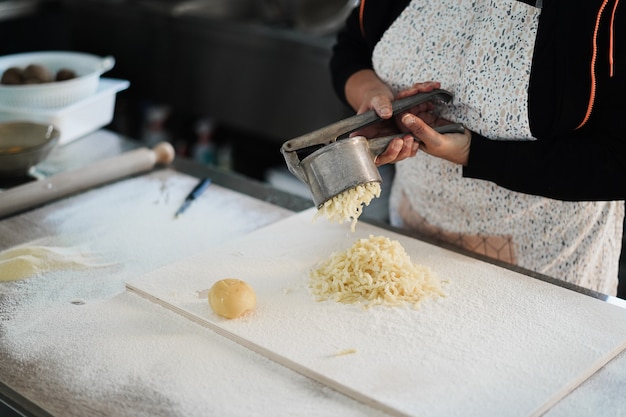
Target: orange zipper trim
(611,37)
(594,57)
(361,13)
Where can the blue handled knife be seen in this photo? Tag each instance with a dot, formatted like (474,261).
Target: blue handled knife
(195,193)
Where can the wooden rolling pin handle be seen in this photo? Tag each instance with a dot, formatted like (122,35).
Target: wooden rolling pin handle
(164,153)
(71,182)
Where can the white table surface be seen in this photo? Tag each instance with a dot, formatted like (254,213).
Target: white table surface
(75,343)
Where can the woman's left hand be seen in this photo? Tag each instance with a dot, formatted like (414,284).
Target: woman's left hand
(453,147)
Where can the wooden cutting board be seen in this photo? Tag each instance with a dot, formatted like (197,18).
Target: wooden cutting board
(500,344)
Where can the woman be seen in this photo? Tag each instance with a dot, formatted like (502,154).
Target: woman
(538,177)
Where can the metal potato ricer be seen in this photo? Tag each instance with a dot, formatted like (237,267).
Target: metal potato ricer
(330,162)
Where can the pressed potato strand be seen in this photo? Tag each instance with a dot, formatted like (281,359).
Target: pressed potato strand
(349,204)
(373,271)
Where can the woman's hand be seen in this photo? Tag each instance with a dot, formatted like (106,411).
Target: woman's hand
(419,122)
(453,147)
(365,91)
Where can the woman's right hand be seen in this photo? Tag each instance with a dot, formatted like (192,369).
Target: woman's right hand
(365,91)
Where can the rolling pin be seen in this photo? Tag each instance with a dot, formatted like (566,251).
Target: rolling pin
(61,185)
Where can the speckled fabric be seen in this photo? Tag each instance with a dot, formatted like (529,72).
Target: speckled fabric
(481,51)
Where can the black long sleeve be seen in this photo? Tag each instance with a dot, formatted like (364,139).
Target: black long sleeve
(585,166)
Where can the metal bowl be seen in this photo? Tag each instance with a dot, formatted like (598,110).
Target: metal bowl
(23,145)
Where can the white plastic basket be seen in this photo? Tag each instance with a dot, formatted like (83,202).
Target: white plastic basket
(87,67)
(78,119)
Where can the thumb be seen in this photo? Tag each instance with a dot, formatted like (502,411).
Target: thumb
(424,133)
(382,106)
(429,139)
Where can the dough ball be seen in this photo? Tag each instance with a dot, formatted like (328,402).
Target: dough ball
(231,298)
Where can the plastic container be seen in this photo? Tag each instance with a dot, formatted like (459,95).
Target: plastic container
(75,120)
(88,69)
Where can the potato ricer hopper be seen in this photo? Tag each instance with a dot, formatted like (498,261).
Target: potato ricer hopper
(330,162)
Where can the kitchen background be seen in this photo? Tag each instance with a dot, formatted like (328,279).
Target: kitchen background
(225,81)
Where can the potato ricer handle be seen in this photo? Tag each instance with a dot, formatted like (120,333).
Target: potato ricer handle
(378,145)
(344,127)
(398,106)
